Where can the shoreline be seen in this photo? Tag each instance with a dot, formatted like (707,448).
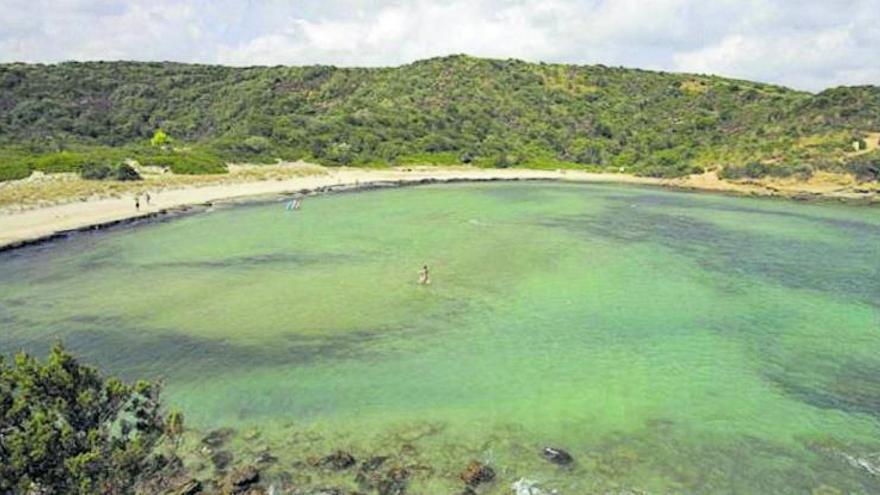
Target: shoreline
(46,223)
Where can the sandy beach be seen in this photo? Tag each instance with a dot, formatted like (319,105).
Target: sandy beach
(25,223)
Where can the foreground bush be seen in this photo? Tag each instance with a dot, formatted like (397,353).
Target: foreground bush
(66,429)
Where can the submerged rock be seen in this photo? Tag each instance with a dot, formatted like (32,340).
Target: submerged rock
(373,463)
(394,482)
(216,438)
(558,456)
(242,480)
(221,460)
(390,482)
(266,457)
(477,473)
(338,461)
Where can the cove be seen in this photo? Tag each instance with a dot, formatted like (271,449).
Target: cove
(671,342)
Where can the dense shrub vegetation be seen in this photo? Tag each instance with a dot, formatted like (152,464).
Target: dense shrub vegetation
(104,171)
(865,167)
(448,110)
(66,429)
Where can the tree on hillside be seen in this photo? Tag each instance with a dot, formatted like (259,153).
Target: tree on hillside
(160,139)
(66,429)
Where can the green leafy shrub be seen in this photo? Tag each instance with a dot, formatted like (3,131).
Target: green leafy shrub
(253,149)
(64,161)
(14,170)
(256,144)
(802,172)
(67,429)
(669,163)
(547,163)
(670,172)
(159,138)
(435,158)
(190,163)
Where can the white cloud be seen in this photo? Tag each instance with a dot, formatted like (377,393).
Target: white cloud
(809,44)
(829,53)
(400,34)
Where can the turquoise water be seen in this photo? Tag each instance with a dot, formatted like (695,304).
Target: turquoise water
(672,342)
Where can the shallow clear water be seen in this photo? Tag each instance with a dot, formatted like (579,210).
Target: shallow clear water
(671,342)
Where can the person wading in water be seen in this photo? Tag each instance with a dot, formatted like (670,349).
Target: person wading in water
(424,278)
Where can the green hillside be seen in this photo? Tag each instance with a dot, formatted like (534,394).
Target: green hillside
(454,109)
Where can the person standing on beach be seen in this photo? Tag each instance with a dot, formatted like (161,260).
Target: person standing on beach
(147,198)
(137,203)
(424,278)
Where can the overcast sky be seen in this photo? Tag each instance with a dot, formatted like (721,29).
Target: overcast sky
(806,44)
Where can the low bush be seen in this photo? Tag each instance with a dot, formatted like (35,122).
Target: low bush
(125,172)
(757,170)
(14,170)
(865,168)
(432,158)
(189,163)
(105,171)
(63,161)
(253,149)
(802,172)
(669,172)
(95,171)
(752,170)
(547,163)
